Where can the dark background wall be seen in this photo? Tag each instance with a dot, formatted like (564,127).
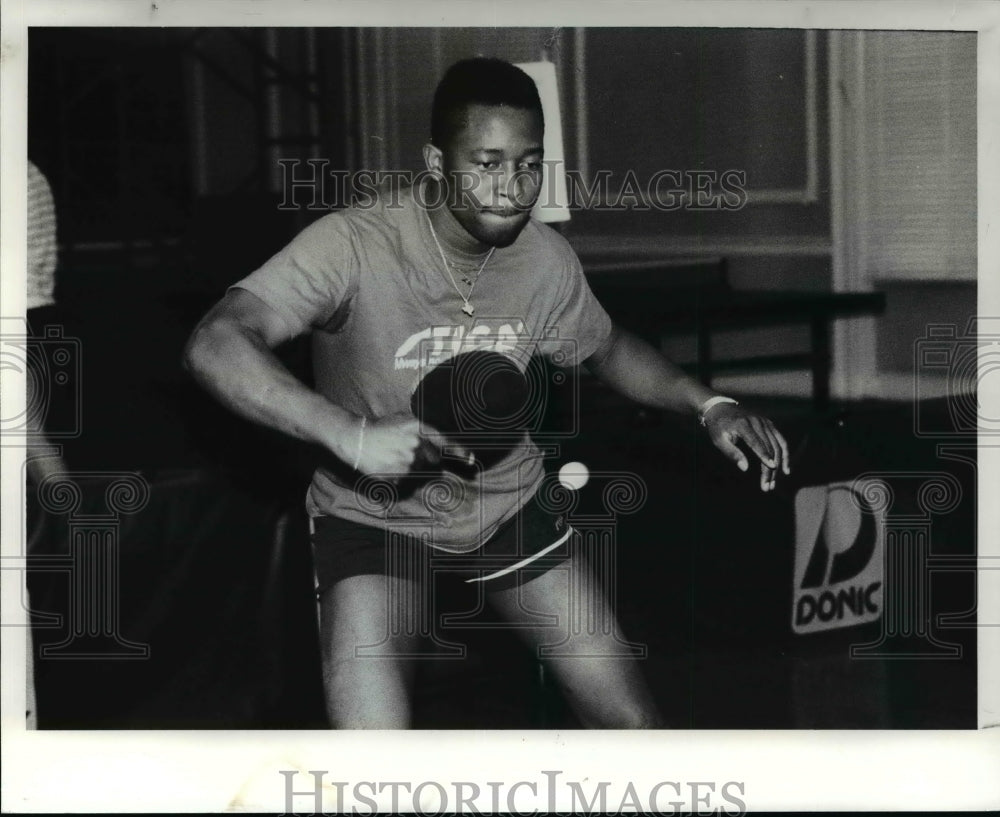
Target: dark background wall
(162,146)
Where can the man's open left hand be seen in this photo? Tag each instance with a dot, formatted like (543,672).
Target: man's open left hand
(729,424)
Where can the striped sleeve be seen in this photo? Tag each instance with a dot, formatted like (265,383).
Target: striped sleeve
(42,249)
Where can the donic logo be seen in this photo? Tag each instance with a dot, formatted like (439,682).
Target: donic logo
(839,539)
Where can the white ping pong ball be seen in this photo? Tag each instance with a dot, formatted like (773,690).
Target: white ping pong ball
(573,475)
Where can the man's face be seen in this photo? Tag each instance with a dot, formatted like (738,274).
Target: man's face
(493,168)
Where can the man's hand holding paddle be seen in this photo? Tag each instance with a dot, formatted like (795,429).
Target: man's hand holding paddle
(397,443)
(386,446)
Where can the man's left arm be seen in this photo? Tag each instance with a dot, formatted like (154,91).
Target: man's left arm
(640,372)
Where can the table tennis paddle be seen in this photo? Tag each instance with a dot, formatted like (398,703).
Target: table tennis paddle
(479,401)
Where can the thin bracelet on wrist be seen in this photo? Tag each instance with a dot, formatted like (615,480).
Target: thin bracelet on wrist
(361,441)
(712,402)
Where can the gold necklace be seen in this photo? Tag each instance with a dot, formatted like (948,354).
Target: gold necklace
(467,307)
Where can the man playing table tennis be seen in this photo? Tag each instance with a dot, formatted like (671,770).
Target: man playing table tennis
(390,290)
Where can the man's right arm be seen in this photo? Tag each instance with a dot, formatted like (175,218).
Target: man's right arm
(231,354)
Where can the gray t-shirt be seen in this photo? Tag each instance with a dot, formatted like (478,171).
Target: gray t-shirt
(406,317)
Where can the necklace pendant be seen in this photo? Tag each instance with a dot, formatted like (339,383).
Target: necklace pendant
(468,309)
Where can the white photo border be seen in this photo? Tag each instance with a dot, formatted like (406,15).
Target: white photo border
(239,771)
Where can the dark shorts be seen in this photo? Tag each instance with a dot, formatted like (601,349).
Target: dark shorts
(528,544)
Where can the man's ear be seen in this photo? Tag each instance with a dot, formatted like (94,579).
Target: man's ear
(434,159)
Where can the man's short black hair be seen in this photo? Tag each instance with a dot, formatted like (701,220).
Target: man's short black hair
(479,81)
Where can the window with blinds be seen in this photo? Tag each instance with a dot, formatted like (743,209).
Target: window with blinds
(920,126)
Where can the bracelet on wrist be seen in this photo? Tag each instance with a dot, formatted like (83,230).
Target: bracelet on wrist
(710,403)
(361,441)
